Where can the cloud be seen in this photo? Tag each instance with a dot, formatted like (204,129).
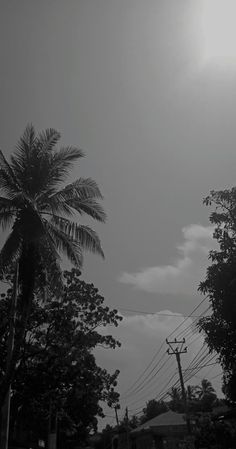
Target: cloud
(184,275)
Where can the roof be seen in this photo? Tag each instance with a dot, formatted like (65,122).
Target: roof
(165,419)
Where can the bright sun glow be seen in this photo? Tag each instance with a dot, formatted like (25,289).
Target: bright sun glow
(219,31)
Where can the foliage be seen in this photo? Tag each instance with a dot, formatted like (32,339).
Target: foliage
(219,285)
(57,368)
(220,434)
(176,403)
(153,408)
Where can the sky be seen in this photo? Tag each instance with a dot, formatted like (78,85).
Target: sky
(147,90)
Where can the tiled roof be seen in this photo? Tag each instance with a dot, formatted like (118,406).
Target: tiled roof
(165,419)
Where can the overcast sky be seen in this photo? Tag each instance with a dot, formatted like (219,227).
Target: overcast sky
(130,82)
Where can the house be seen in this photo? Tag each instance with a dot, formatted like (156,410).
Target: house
(165,431)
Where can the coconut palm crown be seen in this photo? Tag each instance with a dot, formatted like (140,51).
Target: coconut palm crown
(40,212)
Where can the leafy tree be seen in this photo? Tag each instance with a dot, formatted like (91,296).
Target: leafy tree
(106,438)
(57,372)
(219,285)
(152,409)
(208,433)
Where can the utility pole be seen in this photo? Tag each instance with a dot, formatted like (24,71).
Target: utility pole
(116,413)
(176,348)
(127,426)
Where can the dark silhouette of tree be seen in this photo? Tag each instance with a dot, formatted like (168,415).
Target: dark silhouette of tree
(205,389)
(191,393)
(207,397)
(208,433)
(57,373)
(41,216)
(176,403)
(152,409)
(219,285)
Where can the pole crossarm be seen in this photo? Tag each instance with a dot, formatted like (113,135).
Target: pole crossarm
(176,346)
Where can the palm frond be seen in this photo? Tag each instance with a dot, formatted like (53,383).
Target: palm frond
(7,204)
(66,156)
(23,148)
(8,180)
(60,163)
(81,188)
(86,237)
(55,205)
(90,207)
(78,196)
(89,239)
(47,140)
(32,160)
(65,243)
(55,170)
(6,219)
(10,251)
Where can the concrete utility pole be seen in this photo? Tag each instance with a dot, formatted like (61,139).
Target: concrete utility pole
(176,348)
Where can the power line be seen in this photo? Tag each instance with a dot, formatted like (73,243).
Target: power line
(145,370)
(198,369)
(154,375)
(190,327)
(203,366)
(189,316)
(151,393)
(218,375)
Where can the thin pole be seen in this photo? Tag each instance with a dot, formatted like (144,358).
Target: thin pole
(181,378)
(116,413)
(5,411)
(127,426)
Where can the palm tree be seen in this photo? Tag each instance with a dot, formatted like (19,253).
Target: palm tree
(191,391)
(42,216)
(205,389)
(207,396)
(176,404)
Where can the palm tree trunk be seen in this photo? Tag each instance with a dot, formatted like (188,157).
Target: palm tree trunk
(5,411)
(15,353)
(26,266)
